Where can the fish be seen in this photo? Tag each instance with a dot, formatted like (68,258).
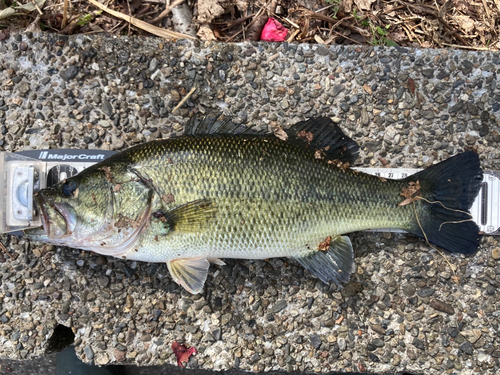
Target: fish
(223,190)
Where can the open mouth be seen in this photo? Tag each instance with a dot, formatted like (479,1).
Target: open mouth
(40,204)
(58,219)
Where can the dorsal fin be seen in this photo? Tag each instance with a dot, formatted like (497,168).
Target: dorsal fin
(323,135)
(214,125)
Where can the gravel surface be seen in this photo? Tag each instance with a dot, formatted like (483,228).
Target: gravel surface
(406,307)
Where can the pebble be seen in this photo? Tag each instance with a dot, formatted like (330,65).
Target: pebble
(88,352)
(426,292)
(280,305)
(315,341)
(495,253)
(442,306)
(69,73)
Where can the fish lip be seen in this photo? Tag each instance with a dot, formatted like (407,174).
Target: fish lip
(64,212)
(40,202)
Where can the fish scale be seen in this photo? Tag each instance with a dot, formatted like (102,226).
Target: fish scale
(273,198)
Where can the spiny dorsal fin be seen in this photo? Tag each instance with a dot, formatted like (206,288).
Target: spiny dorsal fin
(335,263)
(215,126)
(323,135)
(190,217)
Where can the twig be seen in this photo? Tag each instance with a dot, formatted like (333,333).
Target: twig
(292,36)
(251,22)
(346,37)
(167,10)
(184,100)
(292,23)
(167,34)
(486,9)
(5,250)
(468,47)
(65,14)
(36,6)
(130,15)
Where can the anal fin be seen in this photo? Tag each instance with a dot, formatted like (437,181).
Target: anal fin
(190,273)
(333,264)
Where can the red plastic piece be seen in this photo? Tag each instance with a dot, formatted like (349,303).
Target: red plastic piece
(273,31)
(182,353)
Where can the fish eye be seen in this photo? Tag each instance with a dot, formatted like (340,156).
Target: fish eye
(69,188)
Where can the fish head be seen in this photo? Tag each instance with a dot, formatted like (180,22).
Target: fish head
(75,210)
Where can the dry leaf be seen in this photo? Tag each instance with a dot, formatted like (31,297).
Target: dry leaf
(280,133)
(465,22)
(411,193)
(338,163)
(364,4)
(169,198)
(164,33)
(325,245)
(206,33)
(182,353)
(6,13)
(30,7)
(347,6)
(411,85)
(208,10)
(306,136)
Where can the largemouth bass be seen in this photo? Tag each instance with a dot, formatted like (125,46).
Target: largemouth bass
(220,192)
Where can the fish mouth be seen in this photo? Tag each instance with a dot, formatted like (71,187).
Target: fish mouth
(51,215)
(40,202)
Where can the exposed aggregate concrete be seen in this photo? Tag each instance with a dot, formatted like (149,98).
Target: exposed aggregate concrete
(406,307)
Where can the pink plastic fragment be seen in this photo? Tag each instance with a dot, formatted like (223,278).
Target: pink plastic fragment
(273,31)
(182,353)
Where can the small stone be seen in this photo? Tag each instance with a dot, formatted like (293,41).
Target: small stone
(103,123)
(129,301)
(467,348)
(341,342)
(107,108)
(495,253)
(337,89)
(457,107)
(418,343)
(102,359)
(472,335)
(426,292)
(103,281)
(175,96)
(396,360)
(409,290)
(278,306)
(458,83)
(119,355)
(483,357)
(378,328)
(217,333)
(69,73)
(442,306)
(315,341)
(379,343)
(428,73)
(89,354)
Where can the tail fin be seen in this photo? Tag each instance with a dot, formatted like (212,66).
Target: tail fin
(451,186)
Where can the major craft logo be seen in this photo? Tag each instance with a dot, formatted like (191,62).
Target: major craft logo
(46,155)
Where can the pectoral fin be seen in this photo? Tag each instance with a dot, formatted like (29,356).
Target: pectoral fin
(190,273)
(335,263)
(190,217)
